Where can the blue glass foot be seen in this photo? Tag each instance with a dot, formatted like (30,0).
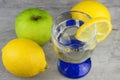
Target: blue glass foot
(71,70)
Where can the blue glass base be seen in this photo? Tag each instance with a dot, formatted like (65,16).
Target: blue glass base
(71,70)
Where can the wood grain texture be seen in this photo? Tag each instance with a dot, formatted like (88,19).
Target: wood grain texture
(105,58)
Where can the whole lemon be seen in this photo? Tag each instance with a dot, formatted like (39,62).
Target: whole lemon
(93,8)
(23,57)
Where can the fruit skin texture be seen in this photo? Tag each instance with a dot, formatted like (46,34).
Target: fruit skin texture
(93,8)
(23,58)
(34,24)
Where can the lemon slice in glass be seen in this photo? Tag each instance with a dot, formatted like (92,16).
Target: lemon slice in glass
(100,27)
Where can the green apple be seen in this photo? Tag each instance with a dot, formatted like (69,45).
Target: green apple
(34,24)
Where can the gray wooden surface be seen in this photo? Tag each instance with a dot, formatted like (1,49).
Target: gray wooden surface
(106,57)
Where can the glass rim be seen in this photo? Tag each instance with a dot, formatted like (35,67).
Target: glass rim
(54,25)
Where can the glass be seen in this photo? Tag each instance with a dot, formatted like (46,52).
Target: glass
(73,55)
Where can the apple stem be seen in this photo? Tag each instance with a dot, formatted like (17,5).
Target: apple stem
(36,17)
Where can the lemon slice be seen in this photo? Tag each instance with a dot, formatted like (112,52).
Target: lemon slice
(99,27)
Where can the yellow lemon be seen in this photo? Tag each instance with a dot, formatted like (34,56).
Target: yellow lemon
(87,31)
(93,8)
(80,16)
(23,58)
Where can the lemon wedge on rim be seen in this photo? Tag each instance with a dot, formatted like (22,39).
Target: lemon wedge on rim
(99,28)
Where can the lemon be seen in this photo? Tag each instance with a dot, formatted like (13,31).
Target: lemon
(93,8)
(23,58)
(87,31)
(80,16)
